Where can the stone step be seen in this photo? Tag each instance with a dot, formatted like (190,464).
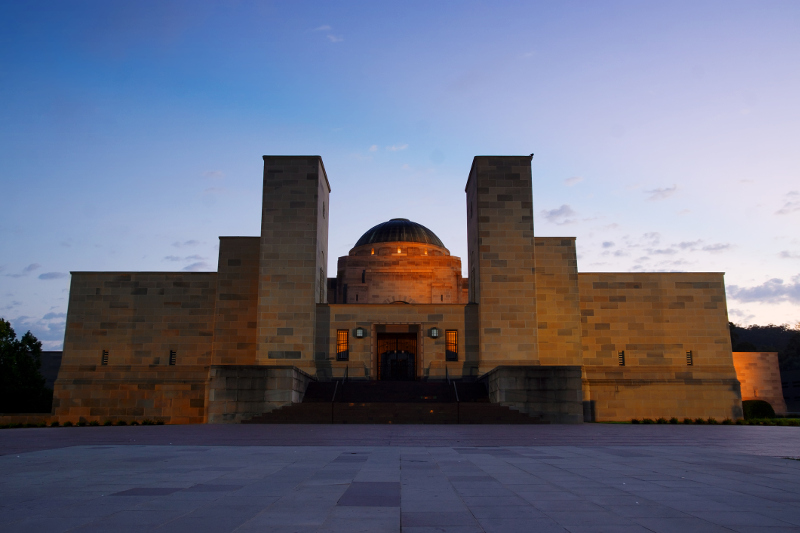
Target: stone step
(394,413)
(395,392)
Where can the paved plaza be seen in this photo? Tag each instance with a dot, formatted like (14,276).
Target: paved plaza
(299,478)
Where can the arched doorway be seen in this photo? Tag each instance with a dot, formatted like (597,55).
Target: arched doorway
(397,356)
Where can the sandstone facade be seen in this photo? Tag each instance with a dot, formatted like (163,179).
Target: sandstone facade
(217,347)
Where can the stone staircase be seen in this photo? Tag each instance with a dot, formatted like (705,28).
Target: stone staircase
(398,402)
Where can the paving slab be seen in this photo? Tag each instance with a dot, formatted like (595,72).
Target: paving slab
(590,478)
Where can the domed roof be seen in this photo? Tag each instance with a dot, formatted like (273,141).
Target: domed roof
(399,230)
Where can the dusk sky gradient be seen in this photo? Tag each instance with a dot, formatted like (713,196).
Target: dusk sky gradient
(666,134)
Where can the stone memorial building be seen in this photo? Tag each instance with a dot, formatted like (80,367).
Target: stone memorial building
(194,347)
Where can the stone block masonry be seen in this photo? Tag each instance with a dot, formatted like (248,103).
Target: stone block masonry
(672,332)
(236,311)
(501,259)
(239,392)
(552,393)
(137,346)
(292,263)
(760,377)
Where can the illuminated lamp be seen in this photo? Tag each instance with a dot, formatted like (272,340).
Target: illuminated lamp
(360,333)
(435,332)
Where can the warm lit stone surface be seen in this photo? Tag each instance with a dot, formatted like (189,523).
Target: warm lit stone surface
(589,478)
(760,376)
(501,259)
(271,303)
(655,319)
(293,258)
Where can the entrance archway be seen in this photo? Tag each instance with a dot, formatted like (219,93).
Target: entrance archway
(397,356)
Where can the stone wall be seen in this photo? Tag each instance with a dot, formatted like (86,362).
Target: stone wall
(292,268)
(399,271)
(655,319)
(236,306)
(501,259)
(138,318)
(760,378)
(362,352)
(171,394)
(236,393)
(558,301)
(550,392)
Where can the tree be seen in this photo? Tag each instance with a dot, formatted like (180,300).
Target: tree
(789,357)
(22,387)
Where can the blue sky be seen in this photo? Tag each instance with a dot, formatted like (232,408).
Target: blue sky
(666,134)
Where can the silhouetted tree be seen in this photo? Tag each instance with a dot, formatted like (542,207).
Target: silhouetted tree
(22,387)
(789,357)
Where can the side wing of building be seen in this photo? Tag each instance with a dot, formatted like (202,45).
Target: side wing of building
(657,345)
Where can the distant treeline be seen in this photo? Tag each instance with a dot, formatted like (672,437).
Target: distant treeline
(783,339)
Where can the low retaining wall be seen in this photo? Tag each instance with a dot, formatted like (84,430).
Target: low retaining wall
(161,393)
(238,392)
(550,392)
(36,419)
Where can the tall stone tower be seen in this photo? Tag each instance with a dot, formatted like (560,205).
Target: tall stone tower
(293,258)
(501,259)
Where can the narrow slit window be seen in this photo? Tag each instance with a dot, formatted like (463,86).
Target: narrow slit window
(451,345)
(104,360)
(621,357)
(363,276)
(689,358)
(173,357)
(342,345)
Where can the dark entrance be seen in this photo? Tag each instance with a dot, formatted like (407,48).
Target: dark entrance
(397,356)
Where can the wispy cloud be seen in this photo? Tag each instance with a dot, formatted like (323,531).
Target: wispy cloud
(11,305)
(214,174)
(195,259)
(688,245)
(573,181)
(25,271)
(786,254)
(716,248)
(792,204)
(199,266)
(560,215)
(741,315)
(53,275)
(331,37)
(192,242)
(652,238)
(662,251)
(373,148)
(608,244)
(397,147)
(772,291)
(49,329)
(661,194)
(691,246)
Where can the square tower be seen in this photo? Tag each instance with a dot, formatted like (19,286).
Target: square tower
(292,259)
(501,259)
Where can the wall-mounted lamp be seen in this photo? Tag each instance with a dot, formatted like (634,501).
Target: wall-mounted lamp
(435,332)
(360,333)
